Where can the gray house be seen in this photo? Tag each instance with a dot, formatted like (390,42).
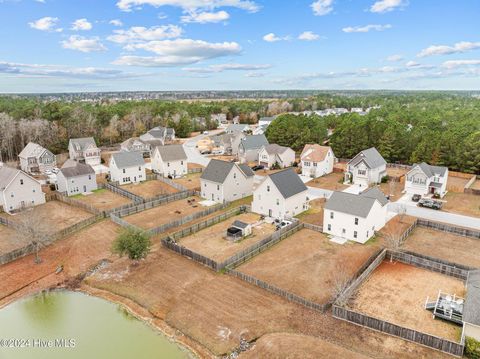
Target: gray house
(160,134)
(84,150)
(77,179)
(250,146)
(34,159)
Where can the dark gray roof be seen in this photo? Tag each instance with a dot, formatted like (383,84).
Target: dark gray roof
(254,142)
(82,143)
(7,174)
(80,169)
(157,132)
(217,171)
(240,224)
(371,156)
(377,194)
(288,182)
(430,170)
(435,184)
(350,203)
(128,159)
(172,152)
(236,127)
(246,170)
(471,309)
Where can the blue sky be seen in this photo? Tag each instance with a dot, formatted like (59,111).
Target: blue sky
(121,45)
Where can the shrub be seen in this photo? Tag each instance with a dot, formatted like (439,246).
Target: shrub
(385,179)
(132,242)
(472,348)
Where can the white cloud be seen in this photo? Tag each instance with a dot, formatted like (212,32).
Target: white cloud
(366,28)
(116,22)
(227,67)
(394,58)
(382,6)
(271,37)
(308,36)
(178,52)
(81,25)
(255,74)
(140,33)
(190,5)
(41,1)
(47,23)
(459,47)
(205,17)
(83,44)
(460,63)
(322,7)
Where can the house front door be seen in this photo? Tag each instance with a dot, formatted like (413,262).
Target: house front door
(213,197)
(84,188)
(135,179)
(432,190)
(270,213)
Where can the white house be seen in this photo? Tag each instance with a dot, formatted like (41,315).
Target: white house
(280,195)
(76,179)
(250,146)
(170,161)
(127,167)
(135,144)
(227,143)
(34,158)
(316,160)
(271,154)
(265,121)
(355,217)
(84,150)
(237,128)
(471,308)
(223,181)
(368,167)
(158,134)
(18,190)
(425,179)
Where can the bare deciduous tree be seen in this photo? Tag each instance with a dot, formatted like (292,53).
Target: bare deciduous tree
(339,280)
(402,211)
(392,186)
(393,242)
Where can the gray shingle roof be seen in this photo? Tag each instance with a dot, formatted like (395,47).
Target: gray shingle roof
(236,128)
(275,149)
(82,143)
(172,152)
(372,158)
(128,159)
(430,170)
(32,150)
(471,309)
(80,169)
(240,224)
(350,203)
(217,171)
(7,174)
(246,170)
(254,142)
(375,193)
(288,182)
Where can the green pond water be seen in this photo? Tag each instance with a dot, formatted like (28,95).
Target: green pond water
(76,325)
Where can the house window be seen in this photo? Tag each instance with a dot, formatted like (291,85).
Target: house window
(306,164)
(89,177)
(234,175)
(329,227)
(181,162)
(278,202)
(12,195)
(356,221)
(218,187)
(139,168)
(268,188)
(204,185)
(168,164)
(362,172)
(315,164)
(124,170)
(331,215)
(367,234)
(354,234)
(21,181)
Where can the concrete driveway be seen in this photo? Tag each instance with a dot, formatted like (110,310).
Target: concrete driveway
(193,155)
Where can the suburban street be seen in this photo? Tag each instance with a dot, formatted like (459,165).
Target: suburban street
(192,152)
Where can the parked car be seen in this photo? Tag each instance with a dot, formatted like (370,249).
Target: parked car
(430,203)
(416,197)
(282,224)
(55,170)
(258,167)
(205,152)
(205,132)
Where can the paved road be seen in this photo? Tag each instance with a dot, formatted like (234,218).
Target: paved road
(439,216)
(193,156)
(314,193)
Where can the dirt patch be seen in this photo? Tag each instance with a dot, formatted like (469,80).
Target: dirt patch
(103,199)
(333,181)
(190,181)
(166,213)
(476,185)
(443,245)
(57,214)
(211,241)
(456,184)
(286,345)
(306,262)
(462,203)
(315,214)
(9,240)
(149,189)
(396,172)
(396,292)
(392,189)
(397,225)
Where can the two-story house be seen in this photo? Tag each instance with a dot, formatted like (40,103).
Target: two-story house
(223,181)
(18,190)
(366,168)
(280,195)
(425,179)
(127,167)
(84,150)
(135,144)
(76,179)
(161,134)
(316,160)
(355,217)
(36,159)
(170,161)
(250,147)
(272,154)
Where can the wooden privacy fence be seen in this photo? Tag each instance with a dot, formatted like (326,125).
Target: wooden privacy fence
(171,183)
(191,254)
(412,335)
(121,222)
(75,203)
(195,170)
(465,232)
(122,192)
(469,190)
(313,227)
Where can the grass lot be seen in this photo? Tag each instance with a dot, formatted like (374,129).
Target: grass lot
(57,214)
(149,189)
(211,241)
(442,245)
(191,165)
(333,181)
(456,184)
(315,214)
(171,211)
(306,262)
(9,240)
(462,203)
(103,199)
(476,184)
(396,172)
(191,180)
(392,189)
(396,292)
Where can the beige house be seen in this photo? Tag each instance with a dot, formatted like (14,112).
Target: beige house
(36,159)
(272,154)
(316,160)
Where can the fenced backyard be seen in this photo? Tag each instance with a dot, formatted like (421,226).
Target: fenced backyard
(464,232)
(122,192)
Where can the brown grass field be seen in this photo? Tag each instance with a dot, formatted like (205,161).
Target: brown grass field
(211,241)
(103,199)
(57,214)
(330,181)
(443,245)
(462,203)
(191,180)
(306,262)
(396,172)
(314,215)
(456,184)
(396,292)
(8,240)
(392,189)
(149,189)
(476,184)
(157,216)
(191,165)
